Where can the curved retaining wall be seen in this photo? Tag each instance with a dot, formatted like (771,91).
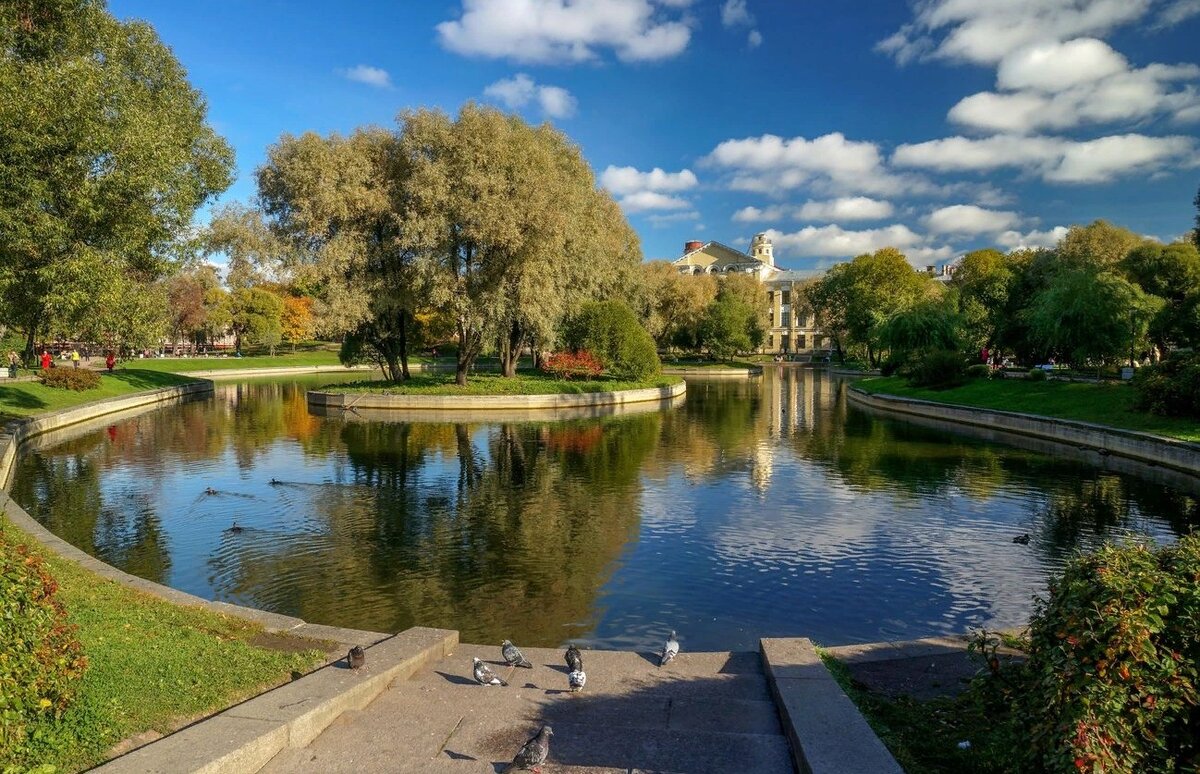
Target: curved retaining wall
(713,373)
(1142,447)
(459,403)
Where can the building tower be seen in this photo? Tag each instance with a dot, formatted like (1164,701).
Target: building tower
(762,250)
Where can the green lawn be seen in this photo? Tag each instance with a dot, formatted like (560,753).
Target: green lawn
(1106,404)
(710,364)
(152,665)
(318,357)
(22,399)
(494,384)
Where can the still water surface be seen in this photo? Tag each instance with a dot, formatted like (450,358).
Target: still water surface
(759,508)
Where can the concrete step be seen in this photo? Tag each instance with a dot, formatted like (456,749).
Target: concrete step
(704,712)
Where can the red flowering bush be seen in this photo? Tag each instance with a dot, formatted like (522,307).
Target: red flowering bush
(41,660)
(566,365)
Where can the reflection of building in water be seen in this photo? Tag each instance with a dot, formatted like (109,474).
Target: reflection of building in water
(791,398)
(762,465)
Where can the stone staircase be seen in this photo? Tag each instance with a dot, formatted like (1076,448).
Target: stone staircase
(704,712)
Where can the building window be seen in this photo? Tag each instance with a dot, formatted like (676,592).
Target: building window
(801,340)
(770,298)
(770,341)
(785,343)
(785,320)
(787,296)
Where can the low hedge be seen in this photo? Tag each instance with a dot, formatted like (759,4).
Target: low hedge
(78,379)
(1171,388)
(41,660)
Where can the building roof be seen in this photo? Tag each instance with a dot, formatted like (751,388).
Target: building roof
(721,252)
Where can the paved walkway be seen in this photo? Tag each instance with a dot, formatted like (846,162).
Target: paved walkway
(704,712)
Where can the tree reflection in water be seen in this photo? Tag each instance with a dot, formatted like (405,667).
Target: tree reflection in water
(761,507)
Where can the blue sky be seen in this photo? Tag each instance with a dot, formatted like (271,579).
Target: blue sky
(937,126)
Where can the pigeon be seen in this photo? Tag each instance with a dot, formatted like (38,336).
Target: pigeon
(484,675)
(574,659)
(512,655)
(1022,539)
(577,679)
(670,650)
(533,754)
(356,658)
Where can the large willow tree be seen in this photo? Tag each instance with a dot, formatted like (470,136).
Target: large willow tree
(105,155)
(509,230)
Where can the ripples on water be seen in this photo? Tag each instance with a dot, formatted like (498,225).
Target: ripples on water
(760,508)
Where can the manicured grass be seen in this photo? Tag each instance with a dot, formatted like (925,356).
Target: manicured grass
(22,399)
(494,384)
(152,665)
(710,364)
(317,357)
(923,736)
(1105,404)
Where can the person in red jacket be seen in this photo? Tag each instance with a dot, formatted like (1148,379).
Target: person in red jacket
(110,361)
(45,360)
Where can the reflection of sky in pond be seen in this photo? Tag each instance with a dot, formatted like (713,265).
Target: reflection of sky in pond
(759,508)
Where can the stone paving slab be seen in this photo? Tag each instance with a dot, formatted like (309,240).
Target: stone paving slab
(705,712)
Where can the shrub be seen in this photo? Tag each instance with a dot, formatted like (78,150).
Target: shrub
(890,366)
(565,365)
(1171,387)
(1110,684)
(78,379)
(1037,375)
(939,369)
(611,331)
(979,371)
(41,661)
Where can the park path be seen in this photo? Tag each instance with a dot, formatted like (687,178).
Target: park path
(703,712)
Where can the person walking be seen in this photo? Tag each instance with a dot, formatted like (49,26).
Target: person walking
(110,361)
(45,360)
(12,364)
(75,358)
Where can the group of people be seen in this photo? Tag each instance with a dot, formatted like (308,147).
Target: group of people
(47,361)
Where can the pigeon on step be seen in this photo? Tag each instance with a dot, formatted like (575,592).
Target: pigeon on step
(533,754)
(512,655)
(577,679)
(484,674)
(574,659)
(670,650)
(356,658)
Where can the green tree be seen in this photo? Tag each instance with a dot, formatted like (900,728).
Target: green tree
(611,331)
(1090,317)
(983,280)
(507,226)
(256,317)
(829,298)
(726,328)
(671,305)
(932,325)
(106,157)
(1098,245)
(1167,271)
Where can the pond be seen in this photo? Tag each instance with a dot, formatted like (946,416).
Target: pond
(761,507)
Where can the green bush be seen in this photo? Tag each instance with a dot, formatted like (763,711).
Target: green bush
(611,331)
(890,366)
(41,660)
(1110,684)
(78,379)
(1037,375)
(979,371)
(939,369)
(1171,388)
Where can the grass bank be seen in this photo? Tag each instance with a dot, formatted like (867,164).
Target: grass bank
(1105,404)
(494,384)
(152,665)
(185,364)
(716,365)
(23,399)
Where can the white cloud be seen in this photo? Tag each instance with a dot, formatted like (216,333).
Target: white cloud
(1178,11)
(735,13)
(372,76)
(756,215)
(626,180)
(659,221)
(985,31)
(1063,85)
(521,90)
(754,39)
(561,31)
(1054,159)
(1015,240)
(652,200)
(835,242)
(847,208)
(969,220)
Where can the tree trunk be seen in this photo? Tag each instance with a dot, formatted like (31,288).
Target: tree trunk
(404,374)
(510,350)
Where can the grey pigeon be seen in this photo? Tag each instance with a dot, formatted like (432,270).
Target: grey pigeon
(356,658)
(670,650)
(577,679)
(512,655)
(533,754)
(484,674)
(574,659)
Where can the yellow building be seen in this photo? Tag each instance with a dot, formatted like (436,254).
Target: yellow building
(791,327)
